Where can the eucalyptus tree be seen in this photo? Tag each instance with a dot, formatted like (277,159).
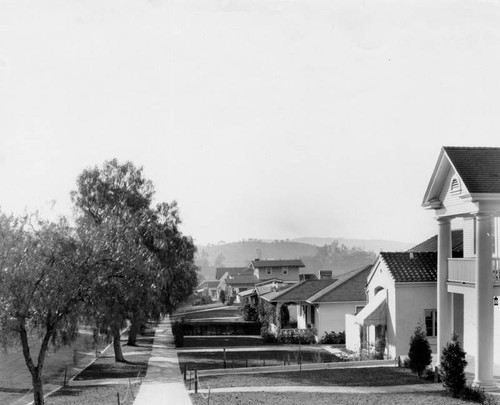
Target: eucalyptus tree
(150,263)
(45,276)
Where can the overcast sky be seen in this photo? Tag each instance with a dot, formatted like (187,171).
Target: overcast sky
(262,118)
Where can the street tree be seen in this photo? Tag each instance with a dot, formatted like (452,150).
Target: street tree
(45,277)
(150,268)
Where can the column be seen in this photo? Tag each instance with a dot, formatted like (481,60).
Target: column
(484,302)
(444,312)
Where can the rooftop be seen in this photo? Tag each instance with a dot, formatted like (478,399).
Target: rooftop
(277,263)
(406,267)
(430,245)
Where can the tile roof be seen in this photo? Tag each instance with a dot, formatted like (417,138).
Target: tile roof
(277,263)
(408,267)
(209,283)
(430,245)
(303,290)
(220,271)
(349,287)
(479,168)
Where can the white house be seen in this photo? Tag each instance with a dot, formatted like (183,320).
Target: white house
(465,186)
(401,290)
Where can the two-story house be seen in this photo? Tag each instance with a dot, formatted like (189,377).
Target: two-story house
(286,270)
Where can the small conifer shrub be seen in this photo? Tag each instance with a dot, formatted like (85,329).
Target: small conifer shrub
(452,369)
(420,353)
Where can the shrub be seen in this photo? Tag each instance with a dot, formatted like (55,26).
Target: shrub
(473,394)
(420,353)
(333,338)
(452,367)
(249,313)
(178,332)
(379,349)
(222,296)
(269,337)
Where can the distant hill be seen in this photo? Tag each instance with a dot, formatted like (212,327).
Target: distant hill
(374,245)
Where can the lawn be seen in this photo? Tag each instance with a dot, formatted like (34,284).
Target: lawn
(102,395)
(222,341)
(15,379)
(301,398)
(346,377)
(215,359)
(217,312)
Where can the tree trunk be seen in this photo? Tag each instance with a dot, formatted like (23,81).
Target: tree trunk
(133,331)
(116,343)
(37,388)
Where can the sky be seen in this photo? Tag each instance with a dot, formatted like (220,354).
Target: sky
(269,119)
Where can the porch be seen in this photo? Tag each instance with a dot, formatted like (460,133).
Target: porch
(463,271)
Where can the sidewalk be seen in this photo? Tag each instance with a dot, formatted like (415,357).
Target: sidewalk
(163,383)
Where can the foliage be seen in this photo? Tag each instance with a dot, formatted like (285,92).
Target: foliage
(266,315)
(296,336)
(380,344)
(452,367)
(333,338)
(201,300)
(178,332)
(222,296)
(249,313)
(473,394)
(420,353)
(147,264)
(46,274)
(269,337)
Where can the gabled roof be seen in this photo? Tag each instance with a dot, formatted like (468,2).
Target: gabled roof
(209,283)
(430,245)
(277,263)
(349,287)
(303,290)
(220,271)
(477,167)
(408,267)
(242,279)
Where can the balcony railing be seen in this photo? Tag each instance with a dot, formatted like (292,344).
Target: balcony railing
(464,270)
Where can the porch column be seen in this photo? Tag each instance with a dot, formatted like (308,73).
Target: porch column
(443,296)
(278,317)
(484,302)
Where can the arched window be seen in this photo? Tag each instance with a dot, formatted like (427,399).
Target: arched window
(377,290)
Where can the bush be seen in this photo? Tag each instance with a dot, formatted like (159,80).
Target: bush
(178,332)
(452,367)
(222,296)
(379,349)
(302,336)
(269,337)
(333,338)
(420,353)
(249,313)
(473,394)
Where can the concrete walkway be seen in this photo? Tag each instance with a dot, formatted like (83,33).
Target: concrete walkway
(163,383)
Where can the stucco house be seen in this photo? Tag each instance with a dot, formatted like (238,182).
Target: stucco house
(209,288)
(323,304)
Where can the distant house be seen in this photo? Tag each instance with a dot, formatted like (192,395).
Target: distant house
(233,285)
(323,304)
(231,271)
(286,270)
(209,288)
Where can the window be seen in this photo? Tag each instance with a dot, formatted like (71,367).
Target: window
(284,270)
(269,271)
(431,322)
(358,309)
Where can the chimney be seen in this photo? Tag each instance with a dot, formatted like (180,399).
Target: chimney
(411,255)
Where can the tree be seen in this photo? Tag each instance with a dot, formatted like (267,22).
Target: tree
(452,367)
(222,296)
(45,276)
(420,353)
(219,260)
(150,264)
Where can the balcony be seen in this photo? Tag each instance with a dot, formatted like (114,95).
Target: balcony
(464,270)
